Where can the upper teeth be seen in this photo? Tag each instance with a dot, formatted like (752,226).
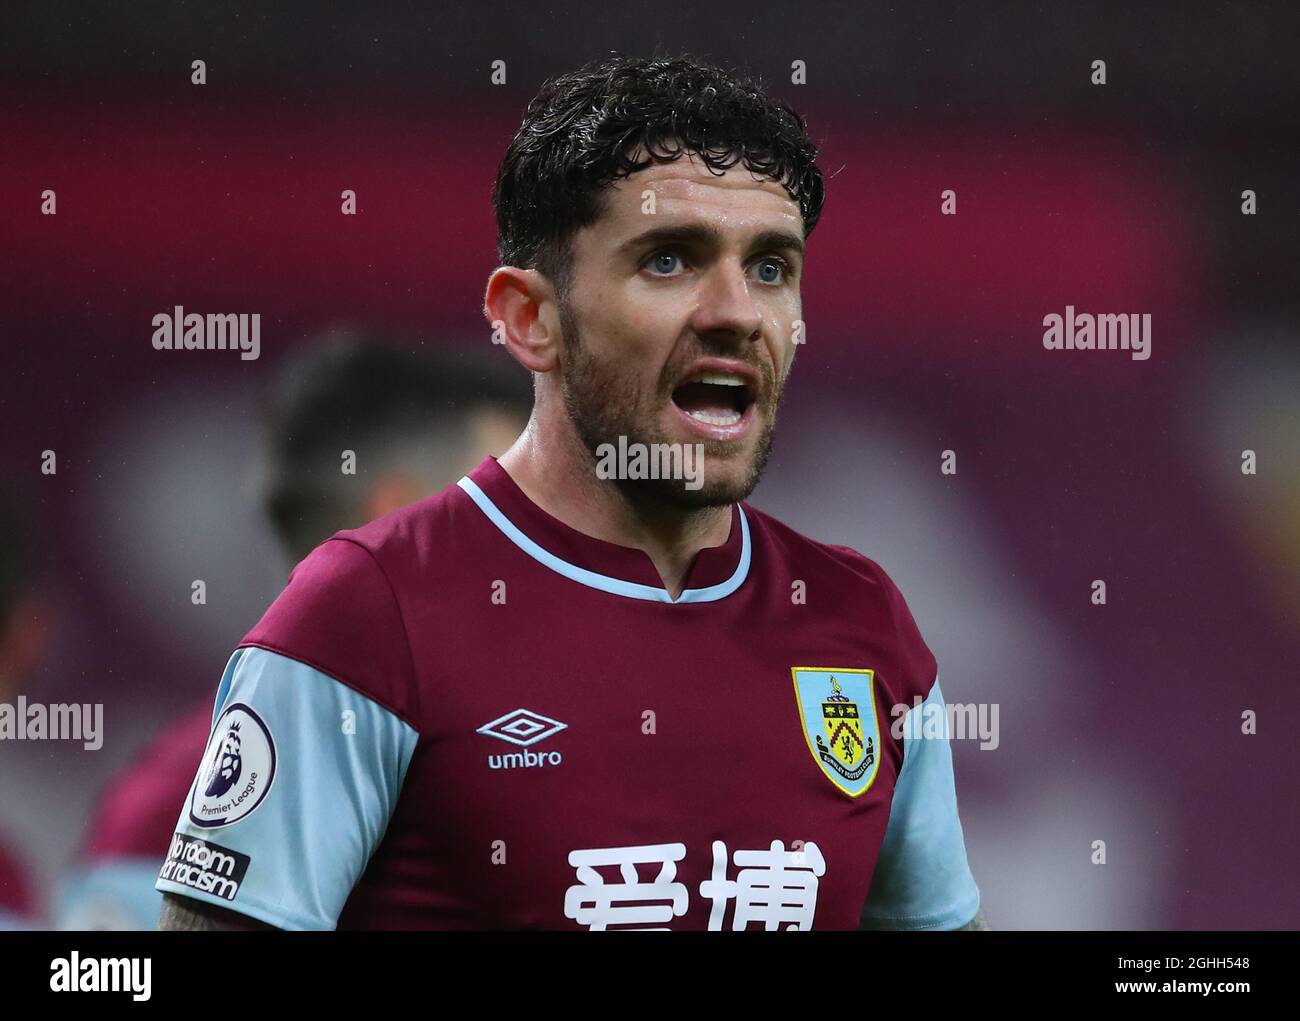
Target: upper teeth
(720,378)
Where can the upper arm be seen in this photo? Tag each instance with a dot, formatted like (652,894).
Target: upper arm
(922,879)
(311,740)
(293,795)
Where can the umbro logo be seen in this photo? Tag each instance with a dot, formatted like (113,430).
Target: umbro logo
(523,727)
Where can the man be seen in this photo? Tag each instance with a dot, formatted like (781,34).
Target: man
(561,693)
(415,423)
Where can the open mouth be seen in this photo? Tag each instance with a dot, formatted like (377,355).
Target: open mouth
(715,398)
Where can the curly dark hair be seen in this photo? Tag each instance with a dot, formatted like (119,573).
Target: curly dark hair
(580,132)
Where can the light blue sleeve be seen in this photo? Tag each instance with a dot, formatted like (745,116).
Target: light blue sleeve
(922,879)
(296,787)
(113,895)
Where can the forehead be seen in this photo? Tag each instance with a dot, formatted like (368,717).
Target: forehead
(687,188)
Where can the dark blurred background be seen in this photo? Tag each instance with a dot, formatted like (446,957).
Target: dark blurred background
(1120,723)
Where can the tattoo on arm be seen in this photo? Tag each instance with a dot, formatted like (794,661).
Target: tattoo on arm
(184,914)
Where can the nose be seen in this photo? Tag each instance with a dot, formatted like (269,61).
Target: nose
(725,309)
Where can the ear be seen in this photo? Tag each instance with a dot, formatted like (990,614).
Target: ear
(520,307)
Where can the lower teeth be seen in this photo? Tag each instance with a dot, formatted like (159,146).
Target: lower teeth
(712,418)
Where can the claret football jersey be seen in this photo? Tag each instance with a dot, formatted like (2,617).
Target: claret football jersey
(468,715)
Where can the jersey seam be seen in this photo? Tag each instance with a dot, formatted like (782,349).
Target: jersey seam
(332,675)
(401,617)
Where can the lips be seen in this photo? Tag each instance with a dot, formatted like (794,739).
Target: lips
(717,393)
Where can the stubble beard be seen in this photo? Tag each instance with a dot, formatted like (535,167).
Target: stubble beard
(604,404)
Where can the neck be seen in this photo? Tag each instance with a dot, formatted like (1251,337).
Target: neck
(560,477)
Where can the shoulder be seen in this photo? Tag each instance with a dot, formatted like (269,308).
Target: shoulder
(351,606)
(857,585)
(794,551)
(418,530)
(346,609)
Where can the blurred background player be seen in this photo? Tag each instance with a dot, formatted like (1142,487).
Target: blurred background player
(22,642)
(416,422)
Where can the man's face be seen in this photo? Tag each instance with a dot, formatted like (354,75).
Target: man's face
(678,326)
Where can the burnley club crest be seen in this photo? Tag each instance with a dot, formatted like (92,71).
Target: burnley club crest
(838,710)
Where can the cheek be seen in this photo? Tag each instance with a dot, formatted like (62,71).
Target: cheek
(789,361)
(610,321)
(635,332)
(649,322)
(793,334)
(782,348)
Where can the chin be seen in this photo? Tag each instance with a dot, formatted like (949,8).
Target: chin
(721,487)
(729,482)
(715,495)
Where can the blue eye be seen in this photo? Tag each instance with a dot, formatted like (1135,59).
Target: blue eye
(664,261)
(779,264)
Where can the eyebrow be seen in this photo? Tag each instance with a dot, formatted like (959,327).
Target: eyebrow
(705,234)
